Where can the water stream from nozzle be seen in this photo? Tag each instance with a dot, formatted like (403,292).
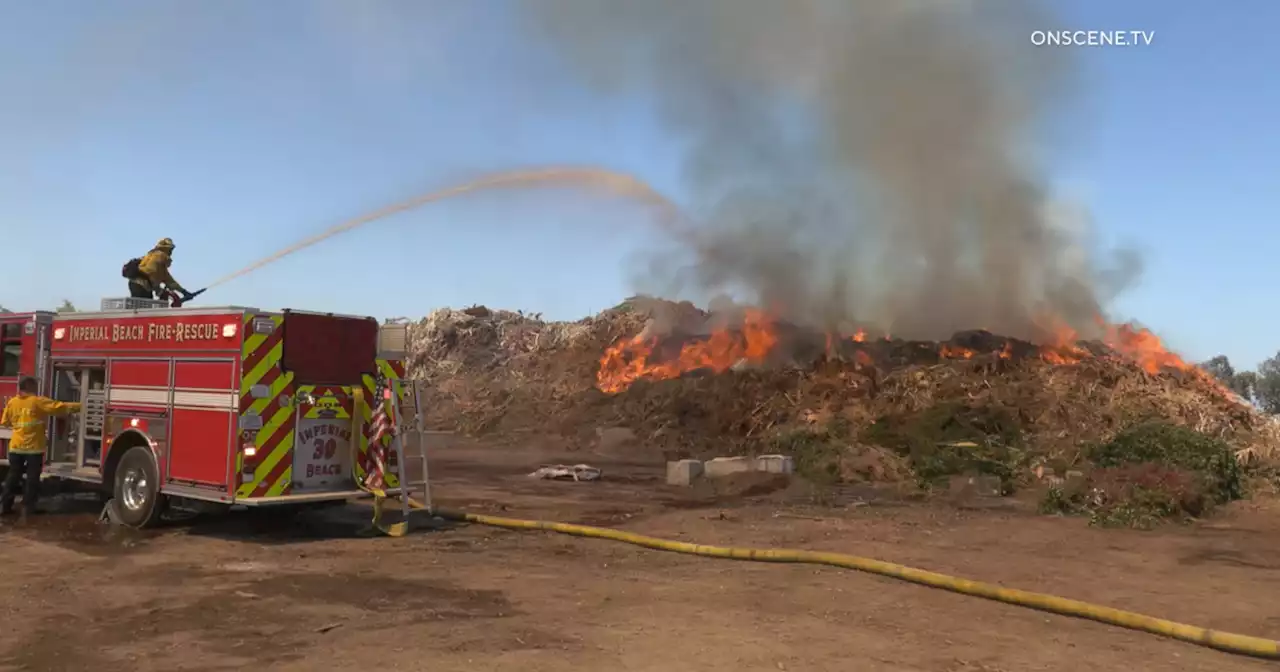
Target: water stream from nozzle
(614,182)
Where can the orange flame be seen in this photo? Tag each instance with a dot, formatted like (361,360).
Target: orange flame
(1135,343)
(1143,347)
(629,360)
(1063,346)
(955,352)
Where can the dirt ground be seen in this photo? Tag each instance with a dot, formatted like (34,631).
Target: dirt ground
(310,594)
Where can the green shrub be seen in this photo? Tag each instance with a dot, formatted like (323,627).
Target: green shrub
(951,439)
(816,451)
(1057,500)
(1140,495)
(1173,446)
(1150,473)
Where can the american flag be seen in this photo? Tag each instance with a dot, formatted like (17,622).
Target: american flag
(383,425)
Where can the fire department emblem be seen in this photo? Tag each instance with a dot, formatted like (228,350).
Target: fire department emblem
(327,406)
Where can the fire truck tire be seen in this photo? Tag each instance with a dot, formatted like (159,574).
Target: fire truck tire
(136,498)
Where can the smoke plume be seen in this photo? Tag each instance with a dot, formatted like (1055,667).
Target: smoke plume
(857,162)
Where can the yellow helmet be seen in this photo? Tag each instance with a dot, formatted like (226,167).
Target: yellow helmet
(165,244)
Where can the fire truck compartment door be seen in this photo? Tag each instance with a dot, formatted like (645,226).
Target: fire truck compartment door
(322,448)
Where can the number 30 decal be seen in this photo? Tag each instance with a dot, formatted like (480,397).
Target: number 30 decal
(325,449)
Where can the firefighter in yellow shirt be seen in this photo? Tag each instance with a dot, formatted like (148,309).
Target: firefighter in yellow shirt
(148,273)
(25,414)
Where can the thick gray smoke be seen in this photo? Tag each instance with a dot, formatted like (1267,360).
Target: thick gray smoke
(858,162)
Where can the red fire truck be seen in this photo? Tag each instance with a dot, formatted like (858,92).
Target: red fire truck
(192,407)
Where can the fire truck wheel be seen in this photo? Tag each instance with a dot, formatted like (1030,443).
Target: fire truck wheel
(137,499)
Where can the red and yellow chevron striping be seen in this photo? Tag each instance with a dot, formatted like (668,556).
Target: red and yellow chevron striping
(266,393)
(331,401)
(260,368)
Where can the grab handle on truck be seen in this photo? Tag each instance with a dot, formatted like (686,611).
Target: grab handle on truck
(357,431)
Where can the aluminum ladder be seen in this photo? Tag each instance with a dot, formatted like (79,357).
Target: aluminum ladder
(408,438)
(410,447)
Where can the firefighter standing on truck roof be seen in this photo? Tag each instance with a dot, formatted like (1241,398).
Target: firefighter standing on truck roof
(148,273)
(25,414)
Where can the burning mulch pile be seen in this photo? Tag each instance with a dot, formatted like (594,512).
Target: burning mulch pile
(857,407)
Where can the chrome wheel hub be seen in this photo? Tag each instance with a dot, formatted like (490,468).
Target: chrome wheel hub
(134,490)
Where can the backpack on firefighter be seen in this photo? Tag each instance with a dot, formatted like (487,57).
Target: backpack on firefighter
(132,269)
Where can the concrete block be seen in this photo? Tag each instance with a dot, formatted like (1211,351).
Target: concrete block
(977,485)
(683,472)
(776,464)
(724,466)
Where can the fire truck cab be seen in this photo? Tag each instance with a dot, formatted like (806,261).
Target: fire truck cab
(207,406)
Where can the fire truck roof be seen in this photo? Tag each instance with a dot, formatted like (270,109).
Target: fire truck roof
(186,311)
(157,312)
(195,311)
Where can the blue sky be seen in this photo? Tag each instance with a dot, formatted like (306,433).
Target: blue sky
(239,127)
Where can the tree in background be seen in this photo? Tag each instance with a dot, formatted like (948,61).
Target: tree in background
(1220,367)
(5,310)
(1247,384)
(1266,388)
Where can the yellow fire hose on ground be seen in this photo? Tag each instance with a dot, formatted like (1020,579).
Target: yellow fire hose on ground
(1222,641)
